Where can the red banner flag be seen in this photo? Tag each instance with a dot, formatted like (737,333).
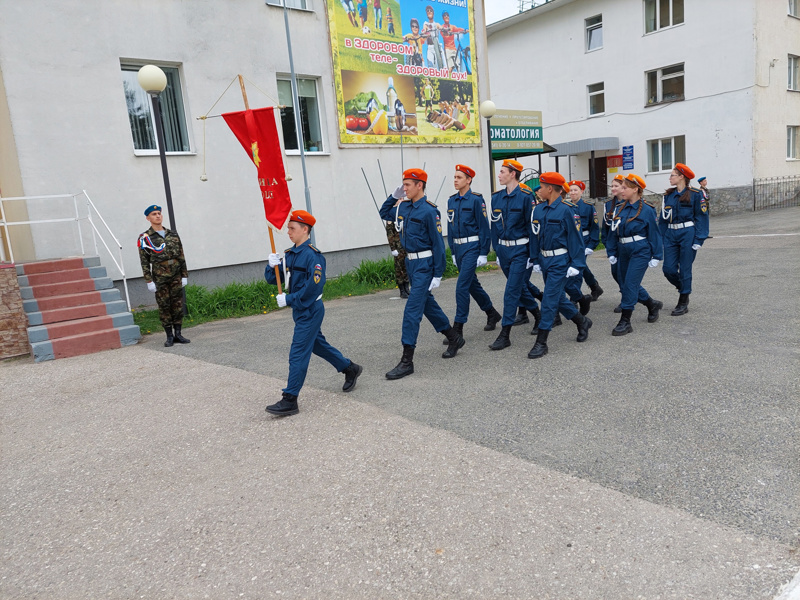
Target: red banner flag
(258,134)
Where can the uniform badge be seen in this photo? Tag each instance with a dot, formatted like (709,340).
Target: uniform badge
(704,207)
(450,215)
(438,224)
(577,221)
(535,226)
(483,206)
(317,273)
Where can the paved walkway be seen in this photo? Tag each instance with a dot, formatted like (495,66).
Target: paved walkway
(659,465)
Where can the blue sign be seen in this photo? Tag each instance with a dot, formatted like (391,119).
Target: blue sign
(627,158)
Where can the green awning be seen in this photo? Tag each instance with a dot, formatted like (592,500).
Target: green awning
(504,154)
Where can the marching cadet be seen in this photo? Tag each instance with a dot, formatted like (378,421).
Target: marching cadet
(608,214)
(557,252)
(164,270)
(634,242)
(684,224)
(419,223)
(305,265)
(511,234)
(590,230)
(469,238)
(399,255)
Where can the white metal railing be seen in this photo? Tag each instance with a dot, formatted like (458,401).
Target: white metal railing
(91,213)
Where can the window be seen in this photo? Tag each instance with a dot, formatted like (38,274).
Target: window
(793,8)
(597,98)
(794,73)
(140,115)
(665,85)
(309,114)
(594,33)
(664,153)
(302,4)
(793,142)
(659,14)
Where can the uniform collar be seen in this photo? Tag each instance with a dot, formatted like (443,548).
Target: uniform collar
(152,231)
(297,248)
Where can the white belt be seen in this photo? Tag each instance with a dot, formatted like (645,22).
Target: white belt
(558,252)
(628,240)
(681,225)
(467,240)
(585,233)
(416,255)
(318,297)
(519,242)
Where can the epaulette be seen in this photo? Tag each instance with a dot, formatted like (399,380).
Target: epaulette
(315,249)
(568,203)
(525,189)
(289,249)
(650,203)
(477,194)
(433,204)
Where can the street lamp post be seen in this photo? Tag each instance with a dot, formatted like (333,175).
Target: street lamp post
(488,110)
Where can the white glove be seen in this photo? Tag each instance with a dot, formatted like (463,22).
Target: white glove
(653,263)
(184,281)
(399,192)
(274,260)
(612,260)
(482,260)
(151,286)
(281,298)
(588,251)
(696,247)
(529,264)
(395,253)
(434,283)
(572,271)
(454,261)
(537,268)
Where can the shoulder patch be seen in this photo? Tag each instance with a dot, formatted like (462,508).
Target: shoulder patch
(431,203)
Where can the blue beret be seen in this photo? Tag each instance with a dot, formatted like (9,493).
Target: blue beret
(536,189)
(701,179)
(150,209)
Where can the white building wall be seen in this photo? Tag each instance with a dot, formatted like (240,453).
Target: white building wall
(61,68)
(715,43)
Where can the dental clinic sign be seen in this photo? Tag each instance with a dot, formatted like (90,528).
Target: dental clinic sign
(516,130)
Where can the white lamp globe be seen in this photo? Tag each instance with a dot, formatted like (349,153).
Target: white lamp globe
(152,79)
(488,109)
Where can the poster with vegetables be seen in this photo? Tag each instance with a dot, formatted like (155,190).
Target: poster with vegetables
(404,68)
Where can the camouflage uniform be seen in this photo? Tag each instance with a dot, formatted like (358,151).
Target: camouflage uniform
(400,275)
(165,268)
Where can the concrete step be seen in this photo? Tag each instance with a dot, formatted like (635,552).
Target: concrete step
(54,331)
(67,287)
(84,311)
(47,266)
(85,343)
(38,279)
(80,299)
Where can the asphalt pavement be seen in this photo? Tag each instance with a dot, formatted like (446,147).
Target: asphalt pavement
(662,464)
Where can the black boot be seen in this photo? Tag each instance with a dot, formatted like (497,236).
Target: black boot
(351,374)
(540,347)
(455,340)
(502,340)
(459,327)
(492,319)
(557,321)
(583,323)
(285,408)
(405,366)
(683,306)
(538,295)
(624,325)
(597,291)
(618,308)
(178,337)
(653,306)
(537,318)
(522,317)
(170,337)
(585,304)
(404,290)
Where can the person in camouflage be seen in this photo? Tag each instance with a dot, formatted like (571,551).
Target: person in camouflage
(164,270)
(400,275)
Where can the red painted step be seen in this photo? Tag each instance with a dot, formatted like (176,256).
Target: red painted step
(58,276)
(73,312)
(59,289)
(78,326)
(86,343)
(47,266)
(67,300)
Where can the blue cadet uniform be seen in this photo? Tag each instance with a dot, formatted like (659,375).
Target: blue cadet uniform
(608,216)
(590,230)
(683,223)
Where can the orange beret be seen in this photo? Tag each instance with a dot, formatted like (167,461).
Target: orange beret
(580,184)
(303,217)
(466,170)
(618,177)
(415,174)
(633,178)
(513,164)
(565,187)
(684,170)
(552,178)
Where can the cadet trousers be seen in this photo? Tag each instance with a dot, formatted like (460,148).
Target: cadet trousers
(632,263)
(554,273)
(421,302)
(468,284)
(308,339)
(573,286)
(678,258)
(589,277)
(169,297)
(513,262)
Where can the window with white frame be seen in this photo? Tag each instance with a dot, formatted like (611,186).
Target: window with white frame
(597,98)
(309,114)
(594,33)
(664,153)
(794,73)
(659,14)
(793,142)
(302,4)
(665,84)
(140,114)
(794,8)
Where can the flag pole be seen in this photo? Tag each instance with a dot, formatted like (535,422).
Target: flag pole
(269,227)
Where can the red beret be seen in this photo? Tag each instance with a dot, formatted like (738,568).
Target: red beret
(580,184)
(552,178)
(513,164)
(635,179)
(618,177)
(466,170)
(684,170)
(415,174)
(565,187)
(303,217)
